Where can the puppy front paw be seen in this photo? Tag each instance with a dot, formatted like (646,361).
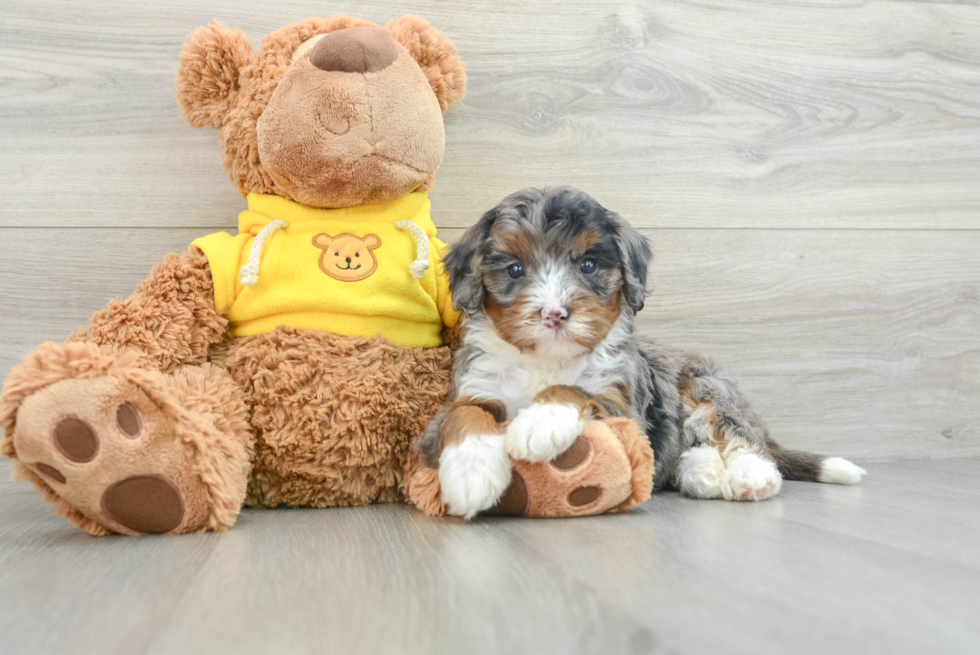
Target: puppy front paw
(474,474)
(543,431)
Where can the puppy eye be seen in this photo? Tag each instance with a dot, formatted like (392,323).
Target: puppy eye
(588,265)
(516,270)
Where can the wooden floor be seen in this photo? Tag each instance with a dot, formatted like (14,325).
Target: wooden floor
(809,171)
(891,566)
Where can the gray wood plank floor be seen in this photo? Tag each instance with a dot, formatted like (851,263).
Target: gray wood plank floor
(891,566)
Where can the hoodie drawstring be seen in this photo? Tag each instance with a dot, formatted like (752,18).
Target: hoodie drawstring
(421,263)
(250,271)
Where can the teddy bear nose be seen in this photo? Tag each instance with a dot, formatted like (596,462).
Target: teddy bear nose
(355,50)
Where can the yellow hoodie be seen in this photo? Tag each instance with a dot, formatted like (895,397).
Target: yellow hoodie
(374,269)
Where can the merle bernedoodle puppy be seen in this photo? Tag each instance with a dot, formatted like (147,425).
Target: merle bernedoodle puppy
(549,282)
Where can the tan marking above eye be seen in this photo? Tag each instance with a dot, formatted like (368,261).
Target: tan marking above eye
(305,47)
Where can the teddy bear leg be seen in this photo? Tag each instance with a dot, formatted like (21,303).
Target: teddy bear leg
(125,428)
(608,468)
(118,447)
(333,416)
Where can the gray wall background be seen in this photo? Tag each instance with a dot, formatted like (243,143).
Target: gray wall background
(808,171)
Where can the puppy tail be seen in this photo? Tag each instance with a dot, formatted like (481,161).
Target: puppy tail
(811,467)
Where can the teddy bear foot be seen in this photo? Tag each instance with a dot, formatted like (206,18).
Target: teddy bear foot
(109,452)
(608,468)
(118,447)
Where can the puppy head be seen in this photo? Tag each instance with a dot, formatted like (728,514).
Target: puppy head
(552,270)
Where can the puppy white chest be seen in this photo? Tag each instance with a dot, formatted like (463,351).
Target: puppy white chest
(515,383)
(499,371)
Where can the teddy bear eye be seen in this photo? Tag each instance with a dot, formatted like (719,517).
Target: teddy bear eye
(357,254)
(336,254)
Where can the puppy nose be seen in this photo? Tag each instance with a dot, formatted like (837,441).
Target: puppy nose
(355,50)
(555,315)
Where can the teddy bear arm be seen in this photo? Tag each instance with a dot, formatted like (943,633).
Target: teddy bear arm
(171,317)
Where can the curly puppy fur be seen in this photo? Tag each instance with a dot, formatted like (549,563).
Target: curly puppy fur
(549,282)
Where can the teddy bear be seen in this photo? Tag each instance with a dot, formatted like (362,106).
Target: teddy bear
(295,363)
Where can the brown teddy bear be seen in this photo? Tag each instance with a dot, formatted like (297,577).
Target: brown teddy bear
(294,363)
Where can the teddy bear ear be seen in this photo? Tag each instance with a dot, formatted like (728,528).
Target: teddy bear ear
(436,55)
(211,62)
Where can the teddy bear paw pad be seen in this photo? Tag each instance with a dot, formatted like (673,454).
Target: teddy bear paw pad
(514,501)
(575,456)
(110,452)
(76,439)
(144,503)
(583,496)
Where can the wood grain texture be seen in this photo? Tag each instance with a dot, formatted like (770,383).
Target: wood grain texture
(854,343)
(719,114)
(886,567)
(808,170)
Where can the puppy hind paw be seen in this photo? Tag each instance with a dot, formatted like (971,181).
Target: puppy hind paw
(701,473)
(749,477)
(474,474)
(543,431)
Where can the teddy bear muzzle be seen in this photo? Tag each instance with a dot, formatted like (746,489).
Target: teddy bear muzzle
(355,50)
(353,119)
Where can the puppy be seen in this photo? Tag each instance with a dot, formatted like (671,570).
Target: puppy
(549,282)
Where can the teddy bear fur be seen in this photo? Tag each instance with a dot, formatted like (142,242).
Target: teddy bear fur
(609,468)
(233,90)
(154,419)
(287,418)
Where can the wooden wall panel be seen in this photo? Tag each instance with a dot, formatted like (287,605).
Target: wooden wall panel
(810,172)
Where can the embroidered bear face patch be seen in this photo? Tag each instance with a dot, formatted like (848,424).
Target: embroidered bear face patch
(346,257)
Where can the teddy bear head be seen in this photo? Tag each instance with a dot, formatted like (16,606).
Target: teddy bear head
(334,112)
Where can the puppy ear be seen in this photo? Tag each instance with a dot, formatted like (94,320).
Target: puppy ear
(436,55)
(462,264)
(635,255)
(210,64)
